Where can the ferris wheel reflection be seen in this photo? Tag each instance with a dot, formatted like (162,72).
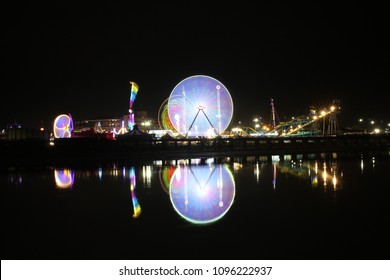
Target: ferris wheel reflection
(64,178)
(203,193)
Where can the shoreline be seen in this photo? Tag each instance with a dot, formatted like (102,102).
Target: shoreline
(63,151)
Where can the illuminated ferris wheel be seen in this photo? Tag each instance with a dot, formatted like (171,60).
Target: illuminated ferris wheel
(164,121)
(63,126)
(200,106)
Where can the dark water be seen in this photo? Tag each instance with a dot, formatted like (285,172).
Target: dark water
(306,207)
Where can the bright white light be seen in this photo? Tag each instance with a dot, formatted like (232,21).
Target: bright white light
(275,158)
(203,191)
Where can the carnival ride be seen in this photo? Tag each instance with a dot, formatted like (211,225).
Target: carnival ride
(324,122)
(164,121)
(317,122)
(133,94)
(63,126)
(200,106)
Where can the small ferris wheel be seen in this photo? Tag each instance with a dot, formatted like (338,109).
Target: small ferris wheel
(63,126)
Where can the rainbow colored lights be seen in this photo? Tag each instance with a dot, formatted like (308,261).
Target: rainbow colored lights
(133,94)
(165,176)
(163,117)
(136,206)
(202,193)
(200,106)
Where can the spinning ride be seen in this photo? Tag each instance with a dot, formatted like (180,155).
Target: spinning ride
(63,126)
(200,106)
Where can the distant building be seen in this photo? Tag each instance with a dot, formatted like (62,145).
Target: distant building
(98,125)
(114,125)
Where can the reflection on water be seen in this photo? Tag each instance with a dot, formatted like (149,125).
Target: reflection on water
(64,178)
(286,206)
(202,193)
(136,206)
(147,175)
(328,174)
(203,190)
(165,175)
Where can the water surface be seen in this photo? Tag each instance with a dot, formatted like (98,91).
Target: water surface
(326,206)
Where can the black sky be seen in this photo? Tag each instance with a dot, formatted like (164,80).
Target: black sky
(75,58)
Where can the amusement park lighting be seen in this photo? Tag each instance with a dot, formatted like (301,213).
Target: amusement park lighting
(323,113)
(256,120)
(372,122)
(377,130)
(360,120)
(201,96)
(315,117)
(257,125)
(332,108)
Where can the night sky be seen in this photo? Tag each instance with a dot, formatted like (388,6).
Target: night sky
(71,58)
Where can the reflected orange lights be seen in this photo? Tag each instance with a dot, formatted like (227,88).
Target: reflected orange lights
(330,177)
(326,176)
(334,181)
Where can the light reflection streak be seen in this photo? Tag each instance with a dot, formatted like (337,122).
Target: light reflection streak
(274,175)
(100,173)
(257,172)
(310,170)
(147,176)
(124,172)
(324,174)
(136,205)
